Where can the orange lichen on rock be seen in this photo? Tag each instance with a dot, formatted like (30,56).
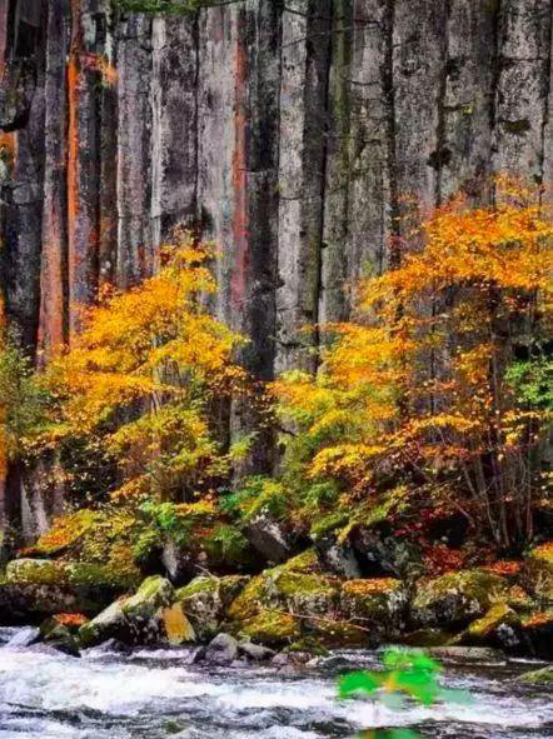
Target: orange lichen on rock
(75,620)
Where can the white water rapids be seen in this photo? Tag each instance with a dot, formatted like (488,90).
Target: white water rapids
(155,694)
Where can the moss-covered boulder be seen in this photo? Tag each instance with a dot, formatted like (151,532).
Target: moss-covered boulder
(499,627)
(206,599)
(155,592)
(379,603)
(35,588)
(537,572)
(539,677)
(455,599)
(110,624)
(292,602)
(139,619)
(272,628)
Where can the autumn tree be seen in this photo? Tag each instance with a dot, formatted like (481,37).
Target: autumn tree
(444,378)
(142,377)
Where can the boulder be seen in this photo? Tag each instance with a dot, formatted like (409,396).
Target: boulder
(380,603)
(499,627)
(460,655)
(154,593)
(271,628)
(456,599)
(255,652)
(110,624)
(140,619)
(206,599)
(60,637)
(268,537)
(288,602)
(35,588)
(221,650)
(537,572)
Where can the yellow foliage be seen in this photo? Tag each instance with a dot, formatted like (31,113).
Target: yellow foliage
(143,371)
(420,375)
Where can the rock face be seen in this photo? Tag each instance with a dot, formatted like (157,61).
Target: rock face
(297,157)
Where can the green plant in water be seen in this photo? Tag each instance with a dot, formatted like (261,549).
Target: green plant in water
(408,675)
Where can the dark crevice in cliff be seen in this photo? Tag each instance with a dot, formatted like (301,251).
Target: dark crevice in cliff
(388,78)
(496,65)
(548,79)
(324,133)
(442,152)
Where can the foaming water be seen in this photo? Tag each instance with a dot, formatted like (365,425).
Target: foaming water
(159,693)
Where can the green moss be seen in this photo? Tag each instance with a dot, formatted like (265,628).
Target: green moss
(539,677)
(198,586)
(290,585)
(272,628)
(328,524)
(457,597)
(247,604)
(378,601)
(306,562)
(36,572)
(154,593)
(484,628)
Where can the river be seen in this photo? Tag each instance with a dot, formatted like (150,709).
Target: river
(159,693)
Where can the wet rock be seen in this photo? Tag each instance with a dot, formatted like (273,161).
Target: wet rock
(112,645)
(467,655)
(539,677)
(60,638)
(255,652)
(499,627)
(456,599)
(148,617)
(537,572)
(268,537)
(206,599)
(110,624)
(380,603)
(223,649)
